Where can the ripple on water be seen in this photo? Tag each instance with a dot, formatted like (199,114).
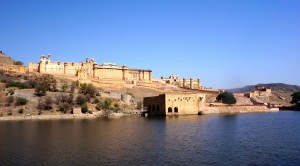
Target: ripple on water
(247,139)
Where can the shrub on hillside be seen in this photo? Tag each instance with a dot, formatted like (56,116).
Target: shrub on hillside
(84,108)
(70,98)
(61,98)
(81,99)
(10,92)
(21,111)
(74,86)
(64,107)
(31,83)
(107,104)
(116,107)
(40,90)
(99,105)
(10,100)
(96,101)
(45,83)
(9,113)
(226,98)
(18,63)
(88,89)
(20,85)
(45,103)
(104,105)
(64,87)
(21,101)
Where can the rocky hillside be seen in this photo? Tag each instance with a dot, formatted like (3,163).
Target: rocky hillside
(276,87)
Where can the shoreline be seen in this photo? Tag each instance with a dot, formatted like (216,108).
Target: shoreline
(117,115)
(57,117)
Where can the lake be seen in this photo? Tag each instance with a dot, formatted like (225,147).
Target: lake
(244,139)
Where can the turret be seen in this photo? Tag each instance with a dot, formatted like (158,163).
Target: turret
(49,58)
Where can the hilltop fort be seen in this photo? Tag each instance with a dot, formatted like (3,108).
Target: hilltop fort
(129,86)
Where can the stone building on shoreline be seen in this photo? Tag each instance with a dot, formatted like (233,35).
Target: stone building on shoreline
(175,103)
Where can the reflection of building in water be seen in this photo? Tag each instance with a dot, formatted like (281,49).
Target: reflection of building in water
(90,70)
(175,103)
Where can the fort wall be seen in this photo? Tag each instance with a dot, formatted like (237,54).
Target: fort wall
(236,109)
(14,68)
(90,70)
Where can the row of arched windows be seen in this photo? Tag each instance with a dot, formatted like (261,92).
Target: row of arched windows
(170,110)
(154,108)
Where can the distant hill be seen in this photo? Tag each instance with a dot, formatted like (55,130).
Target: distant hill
(276,87)
(5,60)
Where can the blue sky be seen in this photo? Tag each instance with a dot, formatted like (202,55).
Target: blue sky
(227,43)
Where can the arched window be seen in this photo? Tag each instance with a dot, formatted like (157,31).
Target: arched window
(157,108)
(153,108)
(170,110)
(176,109)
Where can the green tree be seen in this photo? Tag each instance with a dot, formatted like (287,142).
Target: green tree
(226,98)
(296,98)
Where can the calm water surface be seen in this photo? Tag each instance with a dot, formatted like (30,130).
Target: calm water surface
(246,139)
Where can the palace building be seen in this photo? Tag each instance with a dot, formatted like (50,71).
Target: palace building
(175,104)
(90,70)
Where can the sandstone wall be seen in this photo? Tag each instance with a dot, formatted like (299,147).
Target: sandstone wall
(236,109)
(185,103)
(132,75)
(107,73)
(14,68)
(33,67)
(155,105)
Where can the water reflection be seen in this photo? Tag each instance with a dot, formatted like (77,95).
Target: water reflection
(185,140)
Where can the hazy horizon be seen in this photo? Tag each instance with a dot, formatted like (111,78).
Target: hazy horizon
(228,44)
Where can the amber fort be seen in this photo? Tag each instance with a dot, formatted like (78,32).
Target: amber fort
(179,96)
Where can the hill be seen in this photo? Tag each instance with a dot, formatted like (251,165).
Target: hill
(276,87)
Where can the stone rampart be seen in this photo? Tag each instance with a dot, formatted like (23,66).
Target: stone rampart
(236,109)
